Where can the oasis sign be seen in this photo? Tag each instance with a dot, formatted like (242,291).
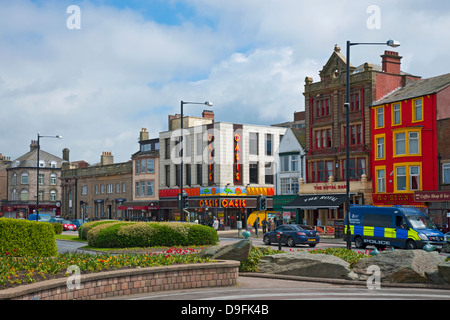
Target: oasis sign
(223,203)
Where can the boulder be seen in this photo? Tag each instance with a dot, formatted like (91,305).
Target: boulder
(305,264)
(444,271)
(238,251)
(403,266)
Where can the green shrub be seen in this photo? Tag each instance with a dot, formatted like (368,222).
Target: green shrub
(27,238)
(58,227)
(85,227)
(150,234)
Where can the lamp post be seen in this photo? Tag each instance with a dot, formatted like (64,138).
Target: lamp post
(37,169)
(391,43)
(181,196)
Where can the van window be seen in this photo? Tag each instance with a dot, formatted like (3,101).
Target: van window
(421,222)
(377,220)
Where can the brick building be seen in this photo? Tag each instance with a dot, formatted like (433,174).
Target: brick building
(325,117)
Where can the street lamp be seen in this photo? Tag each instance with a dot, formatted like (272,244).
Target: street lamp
(391,43)
(37,170)
(181,196)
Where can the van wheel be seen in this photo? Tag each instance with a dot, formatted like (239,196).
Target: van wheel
(359,243)
(410,245)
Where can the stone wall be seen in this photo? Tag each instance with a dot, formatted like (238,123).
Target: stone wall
(130,281)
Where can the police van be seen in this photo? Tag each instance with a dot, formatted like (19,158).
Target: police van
(400,227)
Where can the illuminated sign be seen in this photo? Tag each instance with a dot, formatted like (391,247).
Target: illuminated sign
(223,203)
(210,155)
(237,167)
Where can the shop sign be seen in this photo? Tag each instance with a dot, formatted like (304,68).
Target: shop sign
(210,156)
(394,199)
(237,168)
(431,196)
(223,203)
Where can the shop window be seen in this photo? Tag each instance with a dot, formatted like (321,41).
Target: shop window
(446,173)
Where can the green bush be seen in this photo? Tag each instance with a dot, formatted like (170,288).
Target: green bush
(58,227)
(85,227)
(150,234)
(27,238)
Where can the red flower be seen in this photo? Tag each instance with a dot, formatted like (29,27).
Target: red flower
(7,252)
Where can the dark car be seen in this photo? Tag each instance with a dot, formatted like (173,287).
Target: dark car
(292,234)
(78,222)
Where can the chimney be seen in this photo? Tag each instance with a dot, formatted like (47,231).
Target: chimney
(33,145)
(209,114)
(391,62)
(143,135)
(107,158)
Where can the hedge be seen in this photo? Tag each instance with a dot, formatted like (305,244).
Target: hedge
(27,238)
(85,227)
(150,234)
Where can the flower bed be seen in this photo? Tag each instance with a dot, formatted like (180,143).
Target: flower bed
(15,271)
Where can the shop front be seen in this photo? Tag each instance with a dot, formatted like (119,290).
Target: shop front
(286,215)
(438,205)
(140,210)
(231,206)
(19,210)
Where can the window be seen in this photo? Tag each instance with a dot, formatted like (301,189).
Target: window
(354,102)
(124,187)
(109,188)
(323,107)
(167,171)
(24,178)
(199,174)
(102,188)
(53,179)
(379,121)
(41,195)
(14,179)
(150,188)
(167,148)
(199,144)
(41,178)
(380,147)
(417,110)
(268,173)
(399,143)
(288,163)
(84,190)
(401,178)
(53,195)
(446,173)
(396,114)
(407,177)
(150,165)
(407,143)
(414,178)
(253,170)
(117,187)
(268,144)
(381,180)
(24,195)
(253,148)
(137,191)
(188,174)
(357,167)
(289,185)
(413,142)
(322,170)
(323,138)
(96,189)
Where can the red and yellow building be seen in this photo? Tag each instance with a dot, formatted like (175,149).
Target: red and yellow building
(404,153)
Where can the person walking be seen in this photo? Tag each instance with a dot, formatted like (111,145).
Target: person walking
(264,225)
(216,224)
(256,225)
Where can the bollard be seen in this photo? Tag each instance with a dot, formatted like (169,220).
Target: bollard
(279,240)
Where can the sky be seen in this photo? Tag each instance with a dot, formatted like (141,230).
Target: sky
(97,71)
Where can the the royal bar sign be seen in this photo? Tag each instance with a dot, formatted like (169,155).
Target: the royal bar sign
(432,196)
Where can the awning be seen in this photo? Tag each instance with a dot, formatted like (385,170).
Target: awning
(317,201)
(139,205)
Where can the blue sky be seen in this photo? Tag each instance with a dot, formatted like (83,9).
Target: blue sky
(132,62)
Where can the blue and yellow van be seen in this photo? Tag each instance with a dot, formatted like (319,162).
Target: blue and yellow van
(400,227)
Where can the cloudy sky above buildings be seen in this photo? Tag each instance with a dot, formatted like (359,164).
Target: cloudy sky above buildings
(98,75)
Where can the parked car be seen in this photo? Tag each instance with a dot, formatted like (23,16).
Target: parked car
(42,217)
(67,225)
(292,234)
(78,222)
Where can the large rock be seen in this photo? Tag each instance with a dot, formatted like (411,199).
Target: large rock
(403,266)
(444,271)
(302,263)
(236,251)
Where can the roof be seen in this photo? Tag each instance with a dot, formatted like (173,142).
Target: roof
(416,89)
(29,159)
(300,134)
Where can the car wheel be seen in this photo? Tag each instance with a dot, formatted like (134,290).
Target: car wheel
(410,245)
(312,245)
(266,240)
(290,242)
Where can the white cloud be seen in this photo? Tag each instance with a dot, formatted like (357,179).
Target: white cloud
(100,85)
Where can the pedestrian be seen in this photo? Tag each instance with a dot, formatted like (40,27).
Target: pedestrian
(216,224)
(264,225)
(256,225)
